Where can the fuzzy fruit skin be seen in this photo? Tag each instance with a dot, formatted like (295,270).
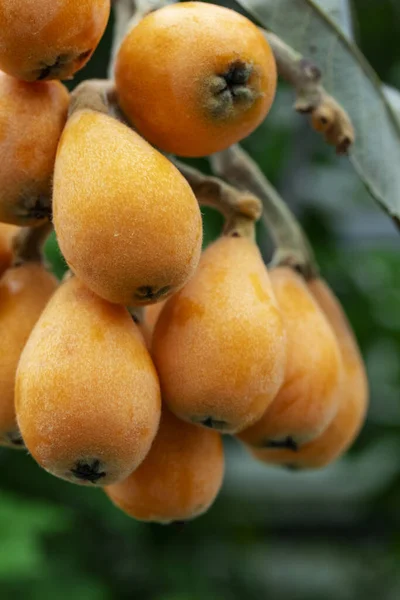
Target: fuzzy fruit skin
(50,39)
(151,315)
(180,477)
(87,394)
(149,319)
(309,398)
(32,117)
(7,232)
(353,401)
(126,220)
(24,293)
(169,76)
(219,344)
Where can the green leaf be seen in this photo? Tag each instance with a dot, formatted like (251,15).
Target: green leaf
(348,77)
(340,12)
(22,524)
(393,97)
(54,256)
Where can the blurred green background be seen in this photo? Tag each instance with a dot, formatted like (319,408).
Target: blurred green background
(333,534)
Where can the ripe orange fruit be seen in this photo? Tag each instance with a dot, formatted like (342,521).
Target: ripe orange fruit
(219,344)
(127,221)
(180,477)
(309,397)
(151,314)
(49,39)
(194,78)
(87,394)
(7,232)
(353,398)
(32,117)
(24,293)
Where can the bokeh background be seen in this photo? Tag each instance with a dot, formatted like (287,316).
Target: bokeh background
(328,535)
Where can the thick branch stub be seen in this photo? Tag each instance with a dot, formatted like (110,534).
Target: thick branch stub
(93,94)
(327,115)
(28,243)
(212,191)
(292,246)
(240,226)
(330,119)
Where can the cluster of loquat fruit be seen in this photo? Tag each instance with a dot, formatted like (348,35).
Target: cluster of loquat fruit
(135,401)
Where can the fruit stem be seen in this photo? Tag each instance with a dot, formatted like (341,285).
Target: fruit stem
(240,226)
(292,246)
(212,191)
(93,94)
(28,243)
(327,115)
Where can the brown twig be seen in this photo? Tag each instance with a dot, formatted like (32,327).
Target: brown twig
(212,191)
(28,243)
(93,94)
(238,225)
(327,116)
(292,246)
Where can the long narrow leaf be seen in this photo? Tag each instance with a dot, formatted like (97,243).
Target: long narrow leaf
(376,154)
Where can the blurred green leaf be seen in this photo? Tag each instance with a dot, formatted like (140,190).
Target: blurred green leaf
(213,223)
(54,257)
(72,587)
(340,12)
(346,74)
(393,97)
(22,524)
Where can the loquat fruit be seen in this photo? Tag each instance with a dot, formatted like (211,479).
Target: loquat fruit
(127,222)
(7,232)
(180,477)
(32,117)
(24,293)
(87,393)
(50,39)
(195,78)
(353,399)
(309,398)
(219,343)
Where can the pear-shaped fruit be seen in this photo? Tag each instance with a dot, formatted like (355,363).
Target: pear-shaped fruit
(180,477)
(7,233)
(127,221)
(353,399)
(309,398)
(87,394)
(24,293)
(219,344)
(32,117)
